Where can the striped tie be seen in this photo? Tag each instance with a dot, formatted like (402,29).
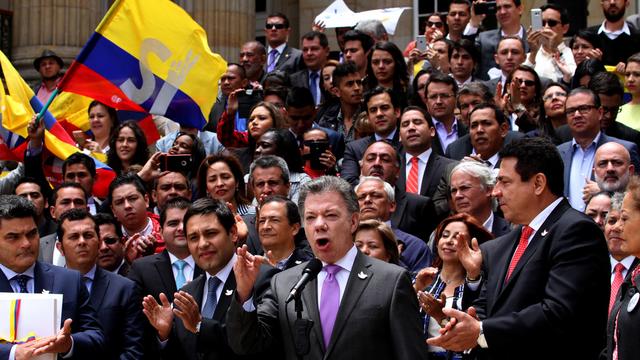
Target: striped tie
(412,179)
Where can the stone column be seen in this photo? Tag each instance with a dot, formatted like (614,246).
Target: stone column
(63,26)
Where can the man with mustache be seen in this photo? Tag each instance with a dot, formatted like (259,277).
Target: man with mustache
(619,40)
(612,169)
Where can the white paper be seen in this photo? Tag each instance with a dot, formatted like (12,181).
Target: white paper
(389,17)
(39,313)
(338,14)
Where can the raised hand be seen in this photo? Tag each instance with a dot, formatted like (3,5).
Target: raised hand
(461,333)
(432,306)
(58,344)
(425,277)
(469,255)
(187,310)
(246,270)
(160,316)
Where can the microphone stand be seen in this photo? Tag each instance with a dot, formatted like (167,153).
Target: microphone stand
(301,329)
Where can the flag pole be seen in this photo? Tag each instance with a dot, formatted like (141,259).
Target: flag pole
(55,93)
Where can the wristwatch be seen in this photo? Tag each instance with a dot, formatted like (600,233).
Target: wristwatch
(481,339)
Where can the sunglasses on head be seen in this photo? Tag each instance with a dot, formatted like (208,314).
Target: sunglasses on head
(274,26)
(551,22)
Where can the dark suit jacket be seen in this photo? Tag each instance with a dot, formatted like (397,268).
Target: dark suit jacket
(500,225)
(555,303)
(353,153)
(117,303)
(416,254)
(628,321)
(88,338)
(290,60)
(211,342)
(436,145)
(378,316)
(434,171)
(617,130)
(566,152)
(487,44)
(414,214)
(462,147)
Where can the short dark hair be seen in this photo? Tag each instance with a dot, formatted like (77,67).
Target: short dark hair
(127,179)
(378,90)
(174,203)
(269,161)
(280,15)
(108,219)
(341,71)
(64,185)
(421,111)
(564,15)
(27,180)
(537,155)
(468,46)
(206,206)
(241,69)
(300,97)
(475,88)
(499,115)
(355,35)
(79,158)
(591,37)
(512,37)
(113,114)
(588,67)
(16,207)
(279,91)
(442,78)
(461,2)
(324,42)
(587,91)
(236,170)
(293,215)
(75,214)
(397,158)
(606,83)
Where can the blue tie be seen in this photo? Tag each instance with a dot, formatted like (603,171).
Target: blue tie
(22,282)
(180,279)
(210,305)
(313,86)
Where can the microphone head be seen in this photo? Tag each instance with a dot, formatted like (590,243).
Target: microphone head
(313,267)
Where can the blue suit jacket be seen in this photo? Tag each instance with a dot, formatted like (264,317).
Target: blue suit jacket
(117,302)
(88,339)
(416,254)
(566,152)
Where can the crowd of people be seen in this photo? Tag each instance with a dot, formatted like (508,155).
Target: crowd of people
(471,199)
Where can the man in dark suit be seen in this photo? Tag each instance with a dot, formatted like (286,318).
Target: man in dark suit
(280,56)
(471,187)
(619,39)
(508,13)
(202,304)
(315,53)
(167,271)
(545,287)
(278,224)
(583,117)
(509,54)
(115,299)
(111,252)
(346,300)
(488,133)
(32,190)
(441,91)
(21,272)
(609,89)
(383,110)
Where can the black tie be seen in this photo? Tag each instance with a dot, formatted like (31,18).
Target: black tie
(22,282)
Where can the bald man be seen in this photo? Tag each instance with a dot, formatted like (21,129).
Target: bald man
(612,169)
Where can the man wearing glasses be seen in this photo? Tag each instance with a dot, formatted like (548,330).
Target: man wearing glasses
(584,111)
(441,91)
(280,56)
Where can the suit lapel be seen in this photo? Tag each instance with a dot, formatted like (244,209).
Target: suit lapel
(310,303)
(401,204)
(43,278)
(225,298)
(429,173)
(502,263)
(402,179)
(566,158)
(163,267)
(196,289)
(99,288)
(355,286)
(4,283)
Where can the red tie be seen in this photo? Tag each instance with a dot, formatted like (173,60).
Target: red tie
(522,245)
(615,285)
(412,180)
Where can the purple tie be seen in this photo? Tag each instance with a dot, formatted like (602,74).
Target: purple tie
(329,302)
(272,60)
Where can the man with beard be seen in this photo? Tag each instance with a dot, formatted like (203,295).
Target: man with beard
(619,40)
(612,169)
(253,57)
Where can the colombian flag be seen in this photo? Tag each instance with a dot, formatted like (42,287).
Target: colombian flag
(152,57)
(17,107)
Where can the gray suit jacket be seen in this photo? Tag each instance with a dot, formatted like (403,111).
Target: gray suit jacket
(378,316)
(460,148)
(487,44)
(290,60)
(47,244)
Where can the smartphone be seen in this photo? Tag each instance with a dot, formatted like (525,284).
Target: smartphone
(78,135)
(486,8)
(421,43)
(317,148)
(536,19)
(178,163)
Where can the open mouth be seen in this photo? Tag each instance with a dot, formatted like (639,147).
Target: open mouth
(322,243)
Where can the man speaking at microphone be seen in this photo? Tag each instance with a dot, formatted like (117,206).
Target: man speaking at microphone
(360,307)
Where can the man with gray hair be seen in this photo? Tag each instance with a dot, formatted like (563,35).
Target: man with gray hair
(470,95)
(471,186)
(373,28)
(376,198)
(612,169)
(346,300)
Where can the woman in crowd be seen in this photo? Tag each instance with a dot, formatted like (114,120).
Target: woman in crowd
(388,69)
(585,71)
(524,99)
(330,105)
(443,284)
(102,122)
(624,318)
(127,148)
(598,207)
(552,115)
(220,177)
(325,163)
(418,94)
(376,239)
(189,144)
(630,112)
(586,45)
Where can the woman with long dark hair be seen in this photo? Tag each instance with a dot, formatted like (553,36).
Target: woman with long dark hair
(127,147)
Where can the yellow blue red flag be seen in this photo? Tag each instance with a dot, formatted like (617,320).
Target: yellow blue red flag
(149,56)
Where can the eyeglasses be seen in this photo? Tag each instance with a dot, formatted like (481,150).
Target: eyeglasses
(551,22)
(554,95)
(441,96)
(582,109)
(110,240)
(274,26)
(436,24)
(526,82)
(612,109)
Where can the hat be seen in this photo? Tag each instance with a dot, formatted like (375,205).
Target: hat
(47,54)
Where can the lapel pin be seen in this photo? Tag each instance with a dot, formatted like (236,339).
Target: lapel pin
(633,302)
(298,262)
(362,275)
(228,292)
(544,232)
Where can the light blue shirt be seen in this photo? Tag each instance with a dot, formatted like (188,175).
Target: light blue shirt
(14,283)
(445,137)
(90,276)
(581,169)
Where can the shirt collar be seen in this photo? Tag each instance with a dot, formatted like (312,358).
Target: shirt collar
(10,274)
(424,157)
(488,224)
(537,221)
(388,137)
(593,142)
(223,274)
(346,262)
(189,259)
(282,263)
(280,48)
(520,33)
(625,29)
(91,274)
(437,123)
(626,262)
(146,231)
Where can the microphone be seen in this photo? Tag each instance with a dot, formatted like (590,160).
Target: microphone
(309,273)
